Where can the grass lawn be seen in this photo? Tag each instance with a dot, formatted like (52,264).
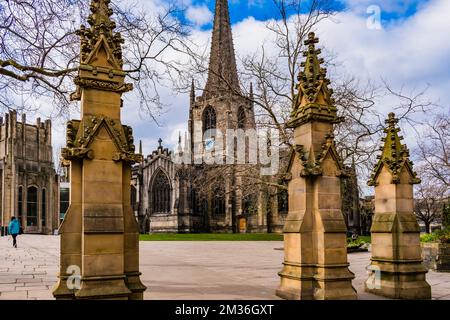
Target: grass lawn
(212,237)
(365,239)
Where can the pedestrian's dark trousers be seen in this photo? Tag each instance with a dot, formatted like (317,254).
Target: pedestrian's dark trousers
(14,240)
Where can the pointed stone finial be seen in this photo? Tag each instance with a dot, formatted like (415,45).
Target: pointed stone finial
(251,97)
(140,146)
(394,156)
(192,95)
(101,25)
(101,63)
(313,100)
(222,73)
(179,148)
(186,142)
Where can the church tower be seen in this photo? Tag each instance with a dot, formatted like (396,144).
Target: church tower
(221,106)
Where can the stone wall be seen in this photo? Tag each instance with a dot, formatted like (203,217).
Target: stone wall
(436,256)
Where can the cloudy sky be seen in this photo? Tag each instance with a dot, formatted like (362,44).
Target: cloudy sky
(410,49)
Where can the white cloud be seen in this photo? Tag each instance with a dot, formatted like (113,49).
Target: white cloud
(199,15)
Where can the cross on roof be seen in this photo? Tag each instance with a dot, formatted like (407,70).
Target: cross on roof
(160,142)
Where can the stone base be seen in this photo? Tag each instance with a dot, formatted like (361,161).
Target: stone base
(108,288)
(135,285)
(316,283)
(398,280)
(61,291)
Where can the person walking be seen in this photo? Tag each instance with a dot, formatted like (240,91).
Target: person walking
(14,229)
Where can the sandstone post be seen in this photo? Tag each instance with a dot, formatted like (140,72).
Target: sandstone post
(99,234)
(396,268)
(315,243)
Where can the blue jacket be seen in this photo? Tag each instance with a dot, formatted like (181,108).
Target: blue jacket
(14,227)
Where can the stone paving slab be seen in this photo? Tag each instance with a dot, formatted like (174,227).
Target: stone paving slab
(177,270)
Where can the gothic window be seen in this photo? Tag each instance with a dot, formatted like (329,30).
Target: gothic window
(44,207)
(64,202)
(242,119)
(283,201)
(160,194)
(20,204)
(32,206)
(249,204)
(209,119)
(218,203)
(195,202)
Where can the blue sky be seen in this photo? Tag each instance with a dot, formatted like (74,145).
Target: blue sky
(391,10)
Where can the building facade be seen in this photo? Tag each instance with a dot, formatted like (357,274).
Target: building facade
(29,184)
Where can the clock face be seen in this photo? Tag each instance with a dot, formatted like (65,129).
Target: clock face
(209,144)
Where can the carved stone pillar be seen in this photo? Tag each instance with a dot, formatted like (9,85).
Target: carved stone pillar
(396,269)
(99,235)
(315,244)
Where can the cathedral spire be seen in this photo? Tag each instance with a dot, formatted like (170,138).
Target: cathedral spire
(313,100)
(222,74)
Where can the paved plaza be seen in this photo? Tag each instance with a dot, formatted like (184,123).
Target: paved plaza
(177,270)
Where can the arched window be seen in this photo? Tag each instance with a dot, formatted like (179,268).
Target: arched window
(249,206)
(20,204)
(209,119)
(283,201)
(160,194)
(242,118)
(218,203)
(44,207)
(32,206)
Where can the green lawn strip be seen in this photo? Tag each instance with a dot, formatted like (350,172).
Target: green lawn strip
(212,237)
(220,237)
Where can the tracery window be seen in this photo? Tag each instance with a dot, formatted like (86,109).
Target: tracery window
(218,202)
(44,208)
(32,206)
(209,119)
(242,118)
(160,194)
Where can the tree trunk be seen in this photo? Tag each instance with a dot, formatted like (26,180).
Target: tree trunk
(427,227)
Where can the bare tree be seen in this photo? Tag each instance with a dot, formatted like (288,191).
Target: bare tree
(434,150)
(429,203)
(39,50)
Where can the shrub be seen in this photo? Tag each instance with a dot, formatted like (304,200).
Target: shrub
(355,243)
(441,236)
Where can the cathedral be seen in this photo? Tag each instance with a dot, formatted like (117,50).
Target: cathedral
(169,196)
